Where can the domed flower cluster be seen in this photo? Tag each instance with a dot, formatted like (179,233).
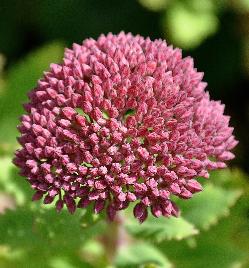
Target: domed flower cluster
(123,119)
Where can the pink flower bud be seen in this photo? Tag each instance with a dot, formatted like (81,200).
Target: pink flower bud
(122,119)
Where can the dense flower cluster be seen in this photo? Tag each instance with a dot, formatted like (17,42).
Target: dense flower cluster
(123,119)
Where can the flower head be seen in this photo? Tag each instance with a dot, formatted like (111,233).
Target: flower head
(123,119)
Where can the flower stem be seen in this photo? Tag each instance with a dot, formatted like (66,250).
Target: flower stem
(115,238)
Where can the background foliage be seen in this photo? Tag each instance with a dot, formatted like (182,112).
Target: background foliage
(213,230)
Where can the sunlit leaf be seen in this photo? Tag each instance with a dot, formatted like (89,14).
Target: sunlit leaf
(206,208)
(141,255)
(225,245)
(94,253)
(159,229)
(44,235)
(209,252)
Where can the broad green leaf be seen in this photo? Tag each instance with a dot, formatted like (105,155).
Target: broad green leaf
(32,228)
(24,227)
(209,252)
(159,229)
(141,255)
(237,223)
(44,236)
(225,245)
(21,78)
(206,208)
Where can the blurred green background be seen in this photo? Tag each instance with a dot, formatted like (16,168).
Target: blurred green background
(216,33)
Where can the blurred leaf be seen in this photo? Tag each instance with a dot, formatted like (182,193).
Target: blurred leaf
(237,223)
(22,259)
(154,5)
(26,228)
(206,5)
(242,5)
(141,255)
(209,252)
(63,262)
(94,253)
(21,78)
(188,27)
(12,183)
(45,235)
(159,229)
(206,208)
(89,218)
(226,244)
(219,247)
(32,228)
(230,178)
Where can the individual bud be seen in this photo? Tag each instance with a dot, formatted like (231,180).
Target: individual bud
(84,202)
(193,186)
(140,212)
(70,203)
(156,210)
(37,195)
(59,205)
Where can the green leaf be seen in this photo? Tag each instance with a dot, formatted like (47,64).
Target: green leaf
(159,229)
(21,78)
(237,223)
(44,236)
(25,227)
(209,252)
(219,247)
(230,178)
(225,245)
(206,208)
(141,255)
